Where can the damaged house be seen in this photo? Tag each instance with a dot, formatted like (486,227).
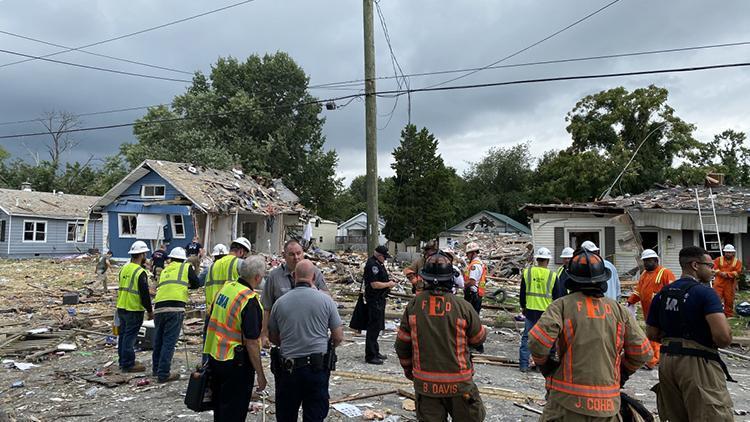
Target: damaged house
(481,222)
(166,202)
(42,224)
(665,220)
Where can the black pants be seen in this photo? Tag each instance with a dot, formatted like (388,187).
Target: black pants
(231,385)
(476,302)
(375,323)
(306,387)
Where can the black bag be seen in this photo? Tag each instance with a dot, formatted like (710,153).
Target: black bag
(360,315)
(198,396)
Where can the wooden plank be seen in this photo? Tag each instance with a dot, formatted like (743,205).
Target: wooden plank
(353,397)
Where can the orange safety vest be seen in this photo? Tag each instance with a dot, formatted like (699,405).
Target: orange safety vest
(482,279)
(732,267)
(224,330)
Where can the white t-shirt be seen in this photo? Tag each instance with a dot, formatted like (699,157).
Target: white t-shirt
(458,280)
(475,274)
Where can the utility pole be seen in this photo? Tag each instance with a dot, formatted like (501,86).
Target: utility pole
(371,134)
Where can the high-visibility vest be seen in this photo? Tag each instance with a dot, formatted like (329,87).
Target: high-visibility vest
(173,283)
(128,295)
(539,285)
(219,273)
(482,279)
(559,272)
(224,331)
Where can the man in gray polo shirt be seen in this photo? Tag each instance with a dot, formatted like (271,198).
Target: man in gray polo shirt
(280,281)
(299,323)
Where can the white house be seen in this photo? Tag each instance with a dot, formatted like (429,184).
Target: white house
(324,233)
(481,222)
(665,220)
(352,234)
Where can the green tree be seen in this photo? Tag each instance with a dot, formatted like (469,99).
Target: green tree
(565,176)
(423,200)
(353,199)
(257,113)
(499,182)
(614,123)
(725,154)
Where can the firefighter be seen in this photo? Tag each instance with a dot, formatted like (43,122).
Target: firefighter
(432,345)
(688,320)
(598,342)
(727,269)
(652,280)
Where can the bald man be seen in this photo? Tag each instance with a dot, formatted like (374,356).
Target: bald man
(299,325)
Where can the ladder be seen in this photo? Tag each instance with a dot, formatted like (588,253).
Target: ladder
(709,225)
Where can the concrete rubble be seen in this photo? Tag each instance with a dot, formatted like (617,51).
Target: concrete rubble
(59,361)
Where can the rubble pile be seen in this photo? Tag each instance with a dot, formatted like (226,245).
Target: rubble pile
(505,254)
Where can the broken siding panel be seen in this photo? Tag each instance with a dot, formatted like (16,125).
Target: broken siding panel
(56,238)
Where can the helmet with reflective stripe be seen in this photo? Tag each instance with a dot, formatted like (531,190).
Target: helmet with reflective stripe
(587,267)
(438,271)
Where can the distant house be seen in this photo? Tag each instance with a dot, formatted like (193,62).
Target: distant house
(324,233)
(481,222)
(352,234)
(162,201)
(43,224)
(665,220)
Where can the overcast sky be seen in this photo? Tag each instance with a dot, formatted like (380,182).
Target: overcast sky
(325,38)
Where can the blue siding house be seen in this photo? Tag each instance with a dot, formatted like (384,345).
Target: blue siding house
(165,202)
(44,224)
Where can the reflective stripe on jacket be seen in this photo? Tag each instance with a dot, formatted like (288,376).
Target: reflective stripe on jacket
(224,331)
(482,279)
(219,273)
(540,283)
(173,283)
(128,295)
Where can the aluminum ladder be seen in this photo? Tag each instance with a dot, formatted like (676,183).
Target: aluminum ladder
(709,224)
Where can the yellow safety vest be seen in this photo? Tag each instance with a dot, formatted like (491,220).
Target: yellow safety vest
(128,296)
(219,273)
(224,331)
(482,279)
(173,283)
(539,284)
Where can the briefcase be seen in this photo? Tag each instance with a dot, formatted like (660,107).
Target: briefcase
(199,396)
(360,315)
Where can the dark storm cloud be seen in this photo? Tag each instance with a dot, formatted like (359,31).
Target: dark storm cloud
(325,37)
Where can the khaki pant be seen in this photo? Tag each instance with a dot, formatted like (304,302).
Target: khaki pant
(692,389)
(102,278)
(556,412)
(464,408)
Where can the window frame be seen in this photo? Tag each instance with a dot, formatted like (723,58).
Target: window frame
(600,231)
(3,230)
(75,234)
(174,225)
(154,196)
(34,231)
(119,225)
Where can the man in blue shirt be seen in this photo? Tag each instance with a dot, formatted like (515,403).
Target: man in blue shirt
(613,284)
(688,319)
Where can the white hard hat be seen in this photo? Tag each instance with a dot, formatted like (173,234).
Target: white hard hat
(472,247)
(178,253)
(729,248)
(590,246)
(243,242)
(137,247)
(567,253)
(543,253)
(649,253)
(219,249)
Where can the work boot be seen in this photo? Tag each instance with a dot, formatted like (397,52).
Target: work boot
(374,361)
(171,377)
(382,357)
(137,367)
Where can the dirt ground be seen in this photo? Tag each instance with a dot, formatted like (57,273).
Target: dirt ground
(61,386)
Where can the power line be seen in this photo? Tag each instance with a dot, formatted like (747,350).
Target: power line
(24,37)
(142,31)
(352,84)
(397,70)
(552,35)
(102,69)
(357,82)
(402,92)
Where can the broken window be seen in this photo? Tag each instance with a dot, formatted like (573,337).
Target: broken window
(178,226)
(34,231)
(650,240)
(76,232)
(152,191)
(128,223)
(576,238)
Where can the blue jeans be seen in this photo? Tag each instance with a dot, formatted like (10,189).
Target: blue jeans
(166,332)
(130,323)
(523,351)
(305,386)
